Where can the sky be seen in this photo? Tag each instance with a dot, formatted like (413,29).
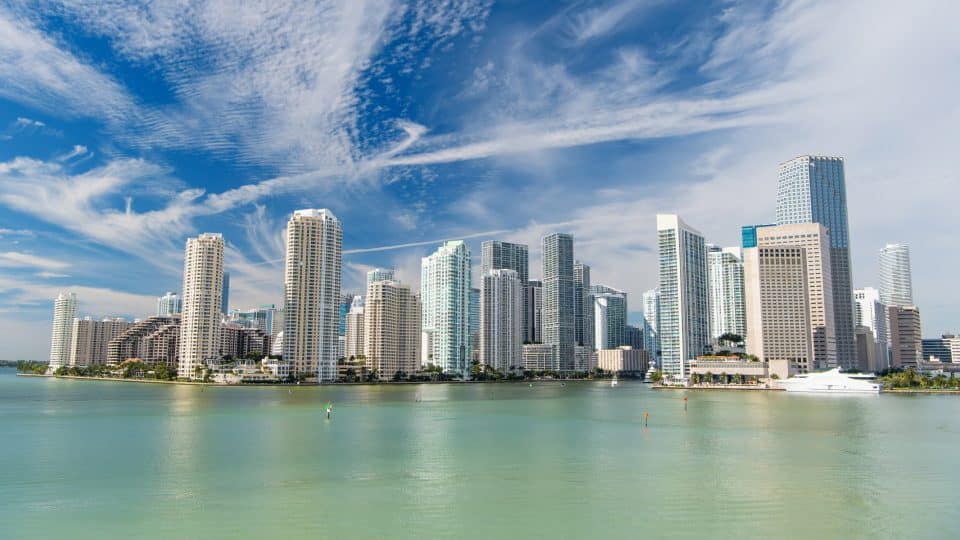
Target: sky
(125,129)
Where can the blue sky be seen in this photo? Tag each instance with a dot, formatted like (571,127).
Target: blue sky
(125,129)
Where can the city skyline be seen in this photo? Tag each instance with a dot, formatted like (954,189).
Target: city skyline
(477,122)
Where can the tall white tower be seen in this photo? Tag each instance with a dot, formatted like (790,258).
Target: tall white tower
(445,291)
(65,308)
(202,297)
(896,283)
(311,292)
(501,314)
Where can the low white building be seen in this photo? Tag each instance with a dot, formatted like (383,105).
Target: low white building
(623,360)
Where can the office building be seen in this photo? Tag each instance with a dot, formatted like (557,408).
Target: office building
(354,338)
(540,357)
(343,307)
(777,294)
(380,274)
(391,329)
(90,339)
(445,285)
(684,319)
(815,239)
(727,311)
(534,308)
(501,309)
(311,289)
(202,302)
(623,359)
(813,189)
(558,318)
(871,313)
(497,255)
(582,305)
(65,308)
(905,342)
(474,325)
(264,317)
(945,348)
(609,317)
(584,358)
(168,305)
(633,337)
(896,283)
(651,330)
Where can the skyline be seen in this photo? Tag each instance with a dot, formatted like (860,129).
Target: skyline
(495,128)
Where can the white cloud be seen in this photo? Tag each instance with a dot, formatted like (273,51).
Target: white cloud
(15,259)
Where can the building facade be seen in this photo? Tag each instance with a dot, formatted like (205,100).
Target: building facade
(609,317)
(501,309)
(684,319)
(651,329)
(582,305)
(813,189)
(623,359)
(558,317)
(870,312)
(380,274)
(540,357)
(534,309)
(905,341)
(311,290)
(225,298)
(896,281)
(728,313)
(154,340)
(202,302)
(445,285)
(90,339)
(354,338)
(169,305)
(498,255)
(65,307)
(391,329)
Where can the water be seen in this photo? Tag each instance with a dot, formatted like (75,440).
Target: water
(88,459)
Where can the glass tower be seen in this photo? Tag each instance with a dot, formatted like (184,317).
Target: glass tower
(896,283)
(558,293)
(813,189)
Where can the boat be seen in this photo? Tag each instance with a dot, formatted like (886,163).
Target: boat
(650,372)
(833,382)
(614,381)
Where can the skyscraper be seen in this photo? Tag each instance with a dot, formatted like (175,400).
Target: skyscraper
(582,305)
(496,255)
(905,342)
(609,317)
(474,324)
(501,308)
(355,327)
(379,274)
(813,189)
(65,308)
(168,305)
(534,309)
(815,240)
(651,329)
(684,301)
(896,283)
(445,290)
(871,313)
(558,298)
(727,312)
(311,290)
(391,319)
(225,299)
(202,302)
(778,307)
(90,339)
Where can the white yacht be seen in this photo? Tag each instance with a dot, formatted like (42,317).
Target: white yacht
(833,382)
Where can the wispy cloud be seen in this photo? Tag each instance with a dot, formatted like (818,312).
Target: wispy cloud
(15,259)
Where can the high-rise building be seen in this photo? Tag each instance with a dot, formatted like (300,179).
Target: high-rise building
(497,255)
(813,189)
(168,305)
(727,312)
(905,341)
(90,339)
(501,308)
(154,340)
(815,240)
(651,329)
(582,305)
(870,312)
(354,339)
(391,329)
(202,302)
(896,283)
(609,317)
(474,325)
(225,299)
(534,309)
(379,274)
(777,288)
(633,337)
(311,289)
(445,292)
(558,318)
(346,300)
(684,300)
(263,317)
(65,308)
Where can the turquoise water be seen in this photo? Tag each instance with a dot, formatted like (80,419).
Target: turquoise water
(87,459)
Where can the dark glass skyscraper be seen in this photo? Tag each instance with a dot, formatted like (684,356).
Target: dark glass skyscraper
(497,255)
(813,189)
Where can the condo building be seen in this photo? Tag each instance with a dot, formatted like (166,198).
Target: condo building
(311,290)
(202,290)
(534,309)
(445,285)
(609,317)
(727,311)
(869,312)
(651,329)
(380,274)
(90,339)
(558,317)
(582,305)
(391,329)
(169,305)
(896,282)
(501,311)
(498,255)
(65,308)
(354,338)
(684,318)
(154,340)
(813,189)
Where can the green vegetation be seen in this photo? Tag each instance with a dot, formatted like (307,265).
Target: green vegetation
(32,367)
(910,378)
